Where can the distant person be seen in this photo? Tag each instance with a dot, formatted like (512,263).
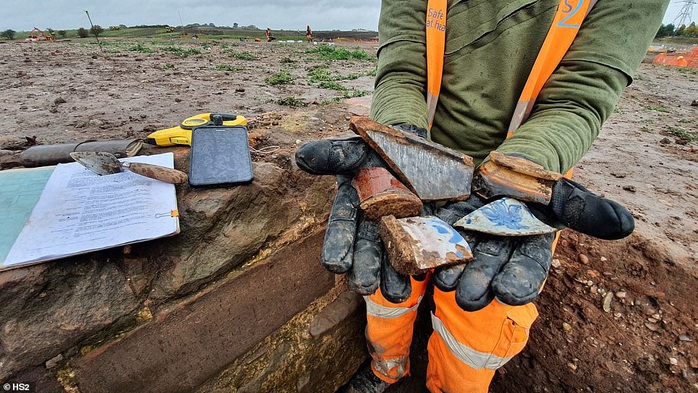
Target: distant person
(308,33)
(268,34)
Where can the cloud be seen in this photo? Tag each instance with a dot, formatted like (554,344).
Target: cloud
(23,15)
(279,14)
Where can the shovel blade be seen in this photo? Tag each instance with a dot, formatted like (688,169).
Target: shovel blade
(101,163)
(430,170)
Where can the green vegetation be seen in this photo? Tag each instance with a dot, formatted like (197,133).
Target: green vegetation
(331,86)
(96,30)
(321,74)
(247,56)
(226,67)
(327,52)
(680,31)
(168,66)
(9,34)
(82,32)
(140,48)
(287,60)
(354,93)
(683,134)
(292,102)
(686,70)
(183,53)
(658,109)
(280,78)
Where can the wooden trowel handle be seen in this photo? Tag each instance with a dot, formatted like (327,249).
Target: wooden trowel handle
(168,175)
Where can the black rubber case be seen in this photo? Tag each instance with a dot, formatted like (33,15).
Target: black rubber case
(219,156)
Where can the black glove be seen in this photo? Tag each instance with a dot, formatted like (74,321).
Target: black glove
(513,269)
(352,244)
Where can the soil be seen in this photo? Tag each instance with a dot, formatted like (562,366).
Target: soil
(615,316)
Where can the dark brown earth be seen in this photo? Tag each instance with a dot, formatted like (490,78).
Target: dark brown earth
(615,316)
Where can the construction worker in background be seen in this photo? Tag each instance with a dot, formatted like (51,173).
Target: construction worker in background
(308,33)
(532,79)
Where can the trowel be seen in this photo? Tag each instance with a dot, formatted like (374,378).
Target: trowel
(103,163)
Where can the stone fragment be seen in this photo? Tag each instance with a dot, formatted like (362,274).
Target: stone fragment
(583,259)
(607,302)
(53,362)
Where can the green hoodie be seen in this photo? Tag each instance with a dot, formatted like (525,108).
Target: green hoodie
(491,46)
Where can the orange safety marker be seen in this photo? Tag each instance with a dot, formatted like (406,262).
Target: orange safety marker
(568,18)
(436,46)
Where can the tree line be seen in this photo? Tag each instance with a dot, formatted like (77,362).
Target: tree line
(81,32)
(682,31)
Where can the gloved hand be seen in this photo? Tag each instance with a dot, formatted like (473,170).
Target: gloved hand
(352,244)
(512,269)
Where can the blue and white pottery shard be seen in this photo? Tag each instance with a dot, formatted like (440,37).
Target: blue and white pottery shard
(504,217)
(417,244)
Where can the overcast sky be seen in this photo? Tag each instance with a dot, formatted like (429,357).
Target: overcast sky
(23,15)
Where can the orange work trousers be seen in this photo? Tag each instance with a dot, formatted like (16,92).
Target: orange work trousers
(465,349)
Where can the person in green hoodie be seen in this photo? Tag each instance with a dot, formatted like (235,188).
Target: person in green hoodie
(483,310)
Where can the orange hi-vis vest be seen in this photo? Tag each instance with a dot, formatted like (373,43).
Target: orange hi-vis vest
(566,22)
(465,339)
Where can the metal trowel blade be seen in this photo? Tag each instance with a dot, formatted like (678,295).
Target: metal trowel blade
(101,163)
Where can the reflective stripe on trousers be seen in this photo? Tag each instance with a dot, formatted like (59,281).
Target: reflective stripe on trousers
(467,347)
(376,310)
(389,332)
(464,353)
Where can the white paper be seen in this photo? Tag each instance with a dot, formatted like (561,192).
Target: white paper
(80,211)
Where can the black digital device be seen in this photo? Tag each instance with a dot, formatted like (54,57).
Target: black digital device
(219,156)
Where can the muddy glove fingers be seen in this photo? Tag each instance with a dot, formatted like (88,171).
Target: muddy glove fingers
(338,248)
(446,278)
(522,277)
(394,286)
(474,289)
(452,212)
(585,212)
(368,252)
(332,156)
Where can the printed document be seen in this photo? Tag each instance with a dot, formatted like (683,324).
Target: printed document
(80,211)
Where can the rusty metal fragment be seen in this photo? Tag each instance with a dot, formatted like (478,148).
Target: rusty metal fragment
(381,194)
(417,244)
(514,177)
(430,170)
